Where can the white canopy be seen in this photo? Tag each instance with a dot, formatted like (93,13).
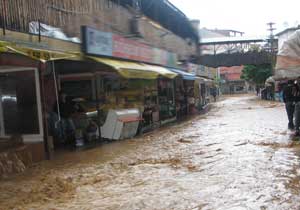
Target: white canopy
(288,59)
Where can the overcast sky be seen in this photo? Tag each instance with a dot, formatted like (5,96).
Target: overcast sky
(249,16)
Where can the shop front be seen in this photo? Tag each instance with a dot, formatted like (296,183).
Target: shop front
(202,91)
(55,98)
(105,85)
(149,88)
(184,93)
(23,108)
(166,100)
(135,61)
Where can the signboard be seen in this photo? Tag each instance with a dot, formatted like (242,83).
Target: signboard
(200,70)
(96,42)
(133,50)
(193,68)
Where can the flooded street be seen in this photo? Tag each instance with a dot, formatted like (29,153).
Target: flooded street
(238,156)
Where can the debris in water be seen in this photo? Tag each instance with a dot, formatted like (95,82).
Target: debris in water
(185,141)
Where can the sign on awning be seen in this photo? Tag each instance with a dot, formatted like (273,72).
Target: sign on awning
(36,54)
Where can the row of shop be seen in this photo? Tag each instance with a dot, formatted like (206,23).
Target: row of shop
(52,98)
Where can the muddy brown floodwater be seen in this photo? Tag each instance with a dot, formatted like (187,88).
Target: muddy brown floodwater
(239,156)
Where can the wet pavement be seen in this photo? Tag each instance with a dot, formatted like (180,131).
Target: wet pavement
(238,156)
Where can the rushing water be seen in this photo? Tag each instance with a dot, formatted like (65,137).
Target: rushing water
(239,156)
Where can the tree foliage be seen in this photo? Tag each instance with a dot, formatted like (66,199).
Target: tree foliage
(256,73)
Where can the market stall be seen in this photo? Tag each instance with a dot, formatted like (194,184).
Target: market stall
(184,93)
(132,93)
(203,92)
(112,85)
(166,100)
(181,99)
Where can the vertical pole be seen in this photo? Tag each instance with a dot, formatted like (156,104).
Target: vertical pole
(57,99)
(39,30)
(175,88)
(173,95)
(219,80)
(215,51)
(98,106)
(271,29)
(56,91)
(4,18)
(158,101)
(44,112)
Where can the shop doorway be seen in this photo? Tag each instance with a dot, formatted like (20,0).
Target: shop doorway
(20,104)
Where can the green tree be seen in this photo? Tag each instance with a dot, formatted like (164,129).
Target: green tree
(256,73)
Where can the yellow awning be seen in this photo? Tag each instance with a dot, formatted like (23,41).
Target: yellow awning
(2,49)
(161,71)
(127,69)
(36,54)
(3,46)
(41,55)
(133,70)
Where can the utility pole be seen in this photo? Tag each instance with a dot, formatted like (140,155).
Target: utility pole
(272,48)
(271,29)
(273,58)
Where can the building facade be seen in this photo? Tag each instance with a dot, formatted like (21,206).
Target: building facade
(231,82)
(155,24)
(43,50)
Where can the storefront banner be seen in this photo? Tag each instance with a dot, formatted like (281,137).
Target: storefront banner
(125,48)
(97,42)
(100,43)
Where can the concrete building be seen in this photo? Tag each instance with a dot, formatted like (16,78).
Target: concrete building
(153,24)
(231,82)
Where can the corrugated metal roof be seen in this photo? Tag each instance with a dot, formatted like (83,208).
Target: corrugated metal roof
(224,39)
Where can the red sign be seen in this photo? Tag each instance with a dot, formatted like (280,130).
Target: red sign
(125,48)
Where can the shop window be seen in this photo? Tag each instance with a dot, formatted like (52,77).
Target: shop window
(19,109)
